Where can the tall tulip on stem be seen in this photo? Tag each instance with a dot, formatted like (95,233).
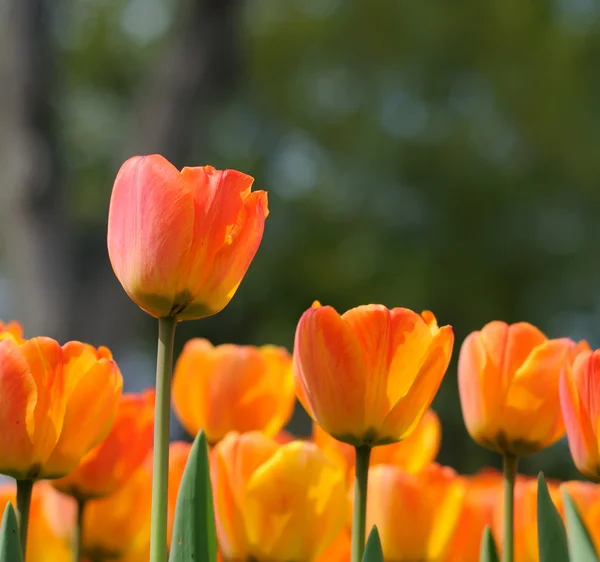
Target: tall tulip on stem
(367,377)
(508,378)
(180,243)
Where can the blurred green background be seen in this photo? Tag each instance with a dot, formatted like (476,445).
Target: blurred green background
(438,155)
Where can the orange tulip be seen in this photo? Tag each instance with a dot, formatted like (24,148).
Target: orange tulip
(339,550)
(586,497)
(11,330)
(275,502)
(181,242)
(108,466)
(50,522)
(508,383)
(415,514)
(119,525)
(58,404)
(483,493)
(525,522)
(412,455)
(368,376)
(233,388)
(179,451)
(580,403)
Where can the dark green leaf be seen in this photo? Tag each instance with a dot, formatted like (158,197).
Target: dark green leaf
(552,537)
(488,551)
(194,537)
(373,551)
(581,547)
(10,545)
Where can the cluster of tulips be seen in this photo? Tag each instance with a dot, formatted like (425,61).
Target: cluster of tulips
(97,479)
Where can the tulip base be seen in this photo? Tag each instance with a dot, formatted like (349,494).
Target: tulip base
(24,489)
(162,411)
(359,516)
(509,477)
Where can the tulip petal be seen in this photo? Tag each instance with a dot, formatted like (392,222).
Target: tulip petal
(329,373)
(93,396)
(409,410)
(150,229)
(296,504)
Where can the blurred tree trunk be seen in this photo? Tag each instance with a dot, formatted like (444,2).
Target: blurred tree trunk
(199,64)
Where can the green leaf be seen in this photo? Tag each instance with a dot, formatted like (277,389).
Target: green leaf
(581,547)
(373,551)
(488,552)
(552,537)
(194,536)
(10,545)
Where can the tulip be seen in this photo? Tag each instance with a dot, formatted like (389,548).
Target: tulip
(181,242)
(108,466)
(412,455)
(415,514)
(179,452)
(586,497)
(339,549)
(11,330)
(119,525)
(526,534)
(50,524)
(232,388)
(580,403)
(367,377)
(275,502)
(508,378)
(483,493)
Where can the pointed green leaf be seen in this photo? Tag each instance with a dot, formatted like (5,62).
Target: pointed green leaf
(194,536)
(581,547)
(552,537)
(10,545)
(488,552)
(373,551)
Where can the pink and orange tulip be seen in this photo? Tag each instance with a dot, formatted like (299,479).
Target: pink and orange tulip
(180,242)
(416,515)
(58,403)
(508,382)
(275,502)
(412,454)
(233,388)
(108,466)
(368,376)
(580,401)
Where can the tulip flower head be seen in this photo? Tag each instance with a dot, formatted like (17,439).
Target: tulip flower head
(180,242)
(412,454)
(415,514)
(368,376)
(108,466)
(580,401)
(58,404)
(233,388)
(275,502)
(508,383)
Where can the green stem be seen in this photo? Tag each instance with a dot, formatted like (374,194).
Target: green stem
(162,410)
(24,489)
(77,550)
(359,517)
(510,474)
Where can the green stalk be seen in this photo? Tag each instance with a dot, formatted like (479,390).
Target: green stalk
(510,474)
(162,409)
(24,489)
(359,516)
(77,550)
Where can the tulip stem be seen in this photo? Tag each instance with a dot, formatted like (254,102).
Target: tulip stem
(359,517)
(162,411)
(79,531)
(510,474)
(24,489)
